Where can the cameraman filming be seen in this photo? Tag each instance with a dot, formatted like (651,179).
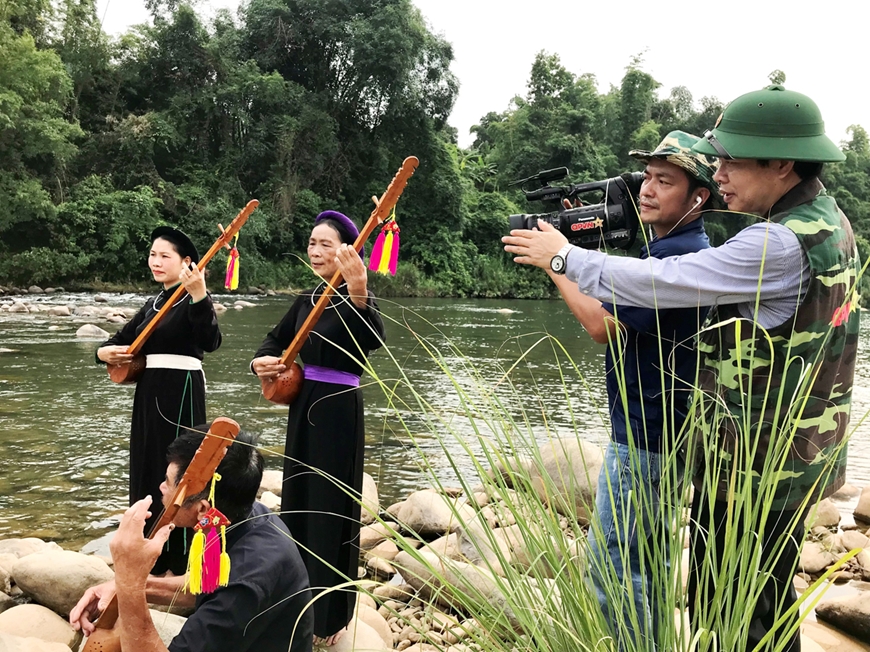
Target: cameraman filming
(776,367)
(649,353)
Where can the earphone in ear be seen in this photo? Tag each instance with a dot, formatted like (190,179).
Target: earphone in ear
(698,200)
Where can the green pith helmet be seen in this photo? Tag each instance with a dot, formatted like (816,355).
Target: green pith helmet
(772,123)
(677,148)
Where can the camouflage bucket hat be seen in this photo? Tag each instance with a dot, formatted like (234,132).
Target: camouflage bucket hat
(676,148)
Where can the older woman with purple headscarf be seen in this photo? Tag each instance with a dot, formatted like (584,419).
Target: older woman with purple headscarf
(325,430)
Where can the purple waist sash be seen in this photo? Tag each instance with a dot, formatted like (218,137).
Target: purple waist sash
(327,375)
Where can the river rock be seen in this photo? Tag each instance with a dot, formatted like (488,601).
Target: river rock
(372,535)
(86,311)
(254,291)
(271,501)
(447,546)
(6,602)
(824,514)
(401,593)
(370,616)
(219,307)
(22,547)
(385,550)
(437,578)
(117,319)
(244,304)
(851,539)
(59,311)
(360,637)
(167,625)
(370,505)
(815,557)
(17,306)
(846,492)
(430,513)
(58,579)
(829,639)
(862,509)
(91,331)
(849,613)
(5,579)
(12,643)
(567,476)
(35,289)
(50,290)
(272,481)
(99,298)
(33,620)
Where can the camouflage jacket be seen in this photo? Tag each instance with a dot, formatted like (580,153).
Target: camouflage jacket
(778,401)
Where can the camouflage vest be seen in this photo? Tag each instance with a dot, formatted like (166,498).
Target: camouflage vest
(779,400)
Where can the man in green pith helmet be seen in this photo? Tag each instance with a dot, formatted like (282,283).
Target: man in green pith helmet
(776,361)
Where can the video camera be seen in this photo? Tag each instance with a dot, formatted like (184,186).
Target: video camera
(612,222)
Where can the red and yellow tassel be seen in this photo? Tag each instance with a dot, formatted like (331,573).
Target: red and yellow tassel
(385,253)
(208,566)
(232,279)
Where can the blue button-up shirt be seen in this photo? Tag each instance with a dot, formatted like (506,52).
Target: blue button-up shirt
(650,365)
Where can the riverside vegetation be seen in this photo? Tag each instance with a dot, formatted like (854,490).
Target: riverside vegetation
(182,122)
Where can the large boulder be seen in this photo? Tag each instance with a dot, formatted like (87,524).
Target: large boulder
(58,579)
(567,476)
(12,643)
(91,331)
(429,513)
(35,289)
(33,620)
(849,613)
(23,547)
(441,579)
(17,306)
(370,505)
(59,311)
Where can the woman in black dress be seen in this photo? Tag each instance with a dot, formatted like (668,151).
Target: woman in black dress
(170,393)
(325,430)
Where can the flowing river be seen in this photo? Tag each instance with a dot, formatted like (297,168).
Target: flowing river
(64,426)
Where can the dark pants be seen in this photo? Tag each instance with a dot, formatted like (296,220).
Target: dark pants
(782,540)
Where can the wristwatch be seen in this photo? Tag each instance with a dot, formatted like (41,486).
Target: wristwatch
(559,262)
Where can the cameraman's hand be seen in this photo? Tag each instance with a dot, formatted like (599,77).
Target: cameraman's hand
(535,247)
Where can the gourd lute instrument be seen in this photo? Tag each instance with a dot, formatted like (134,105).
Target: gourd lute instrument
(130,372)
(284,388)
(205,461)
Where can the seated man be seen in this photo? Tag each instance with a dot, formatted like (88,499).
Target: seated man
(263,607)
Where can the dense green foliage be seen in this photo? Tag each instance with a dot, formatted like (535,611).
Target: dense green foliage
(304,109)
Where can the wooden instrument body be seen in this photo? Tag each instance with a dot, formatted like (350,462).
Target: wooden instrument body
(130,372)
(284,388)
(205,461)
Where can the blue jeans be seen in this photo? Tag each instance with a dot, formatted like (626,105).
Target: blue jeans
(630,544)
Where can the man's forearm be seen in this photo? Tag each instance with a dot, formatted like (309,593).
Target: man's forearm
(137,630)
(168,591)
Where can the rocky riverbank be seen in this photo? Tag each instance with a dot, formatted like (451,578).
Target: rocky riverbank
(403,605)
(92,311)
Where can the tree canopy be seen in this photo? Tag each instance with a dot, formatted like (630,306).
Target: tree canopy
(182,122)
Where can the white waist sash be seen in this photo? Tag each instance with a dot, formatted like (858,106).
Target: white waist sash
(171,361)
